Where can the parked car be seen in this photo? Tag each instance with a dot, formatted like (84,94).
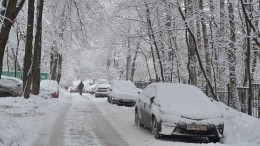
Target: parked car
(178,109)
(10,87)
(122,93)
(89,86)
(73,89)
(102,90)
(50,87)
(95,85)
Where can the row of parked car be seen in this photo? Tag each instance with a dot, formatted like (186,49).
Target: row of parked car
(168,108)
(13,87)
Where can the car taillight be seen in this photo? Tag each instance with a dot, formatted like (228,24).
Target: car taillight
(54,95)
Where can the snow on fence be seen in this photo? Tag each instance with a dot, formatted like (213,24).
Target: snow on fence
(224,96)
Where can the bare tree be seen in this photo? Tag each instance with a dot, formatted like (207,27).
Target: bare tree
(9,14)
(232,60)
(27,71)
(37,49)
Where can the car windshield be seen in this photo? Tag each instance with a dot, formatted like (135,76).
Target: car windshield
(103,81)
(9,81)
(179,92)
(125,86)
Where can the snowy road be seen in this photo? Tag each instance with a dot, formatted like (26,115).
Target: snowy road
(90,121)
(79,123)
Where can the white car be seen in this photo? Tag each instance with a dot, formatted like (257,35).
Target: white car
(93,88)
(101,90)
(122,93)
(178,109)
(50,87)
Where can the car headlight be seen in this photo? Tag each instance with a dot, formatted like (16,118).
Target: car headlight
(221,128)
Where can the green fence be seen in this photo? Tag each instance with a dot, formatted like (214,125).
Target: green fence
(19,74)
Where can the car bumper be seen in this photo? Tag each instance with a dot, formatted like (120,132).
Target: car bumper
(174,129)
(101,94)
(126,102)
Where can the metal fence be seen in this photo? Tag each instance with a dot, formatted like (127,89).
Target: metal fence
(224,96)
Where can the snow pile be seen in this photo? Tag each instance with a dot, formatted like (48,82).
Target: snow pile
(10,132)
(21,119)
(240,129)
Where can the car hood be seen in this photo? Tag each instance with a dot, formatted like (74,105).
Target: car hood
(191,110)
(124,95)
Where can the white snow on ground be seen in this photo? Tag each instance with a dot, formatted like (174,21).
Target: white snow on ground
(240,129)
(22,120)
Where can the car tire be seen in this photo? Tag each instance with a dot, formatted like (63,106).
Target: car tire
(112,101)
(155,128)
(108,100)
(214,139)
(137,120)
(6,94)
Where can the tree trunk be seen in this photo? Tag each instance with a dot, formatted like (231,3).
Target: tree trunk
(59,68)
(192,44)
(206,42)
(55,57)
(198,56)
(133,63)
(9,15)
(222,46)
(150,37)
(154,42)
(27,70)
(37,49)
(232,61)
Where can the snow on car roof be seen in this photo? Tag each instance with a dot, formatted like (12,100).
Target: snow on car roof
(49,84)
(13,78)
(185,100)
(125,85)
(179,91)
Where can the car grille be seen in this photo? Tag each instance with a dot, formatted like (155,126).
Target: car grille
(102,90)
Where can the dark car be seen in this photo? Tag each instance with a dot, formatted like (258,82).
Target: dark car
(178,109)
(10,87)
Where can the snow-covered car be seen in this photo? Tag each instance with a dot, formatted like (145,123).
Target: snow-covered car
(101,90)
(178,109)
(10,87)
(50,87)
(89,86)
(93,88)
(122,93)
(73,89)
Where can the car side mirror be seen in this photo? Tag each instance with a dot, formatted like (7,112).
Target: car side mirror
(19,85)
(152,99)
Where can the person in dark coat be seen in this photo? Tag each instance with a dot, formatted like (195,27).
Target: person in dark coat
(80,87)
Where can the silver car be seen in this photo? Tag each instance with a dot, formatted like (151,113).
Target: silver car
(178,109)
(10,87)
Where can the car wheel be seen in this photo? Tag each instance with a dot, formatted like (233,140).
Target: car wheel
(155,128)
(214,139)
(137,120)
(6,95)
(112,101)
(108,99)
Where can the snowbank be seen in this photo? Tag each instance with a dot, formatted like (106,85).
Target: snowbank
(21,119)
(240,129)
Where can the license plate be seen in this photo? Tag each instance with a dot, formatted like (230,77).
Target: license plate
(197,127)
